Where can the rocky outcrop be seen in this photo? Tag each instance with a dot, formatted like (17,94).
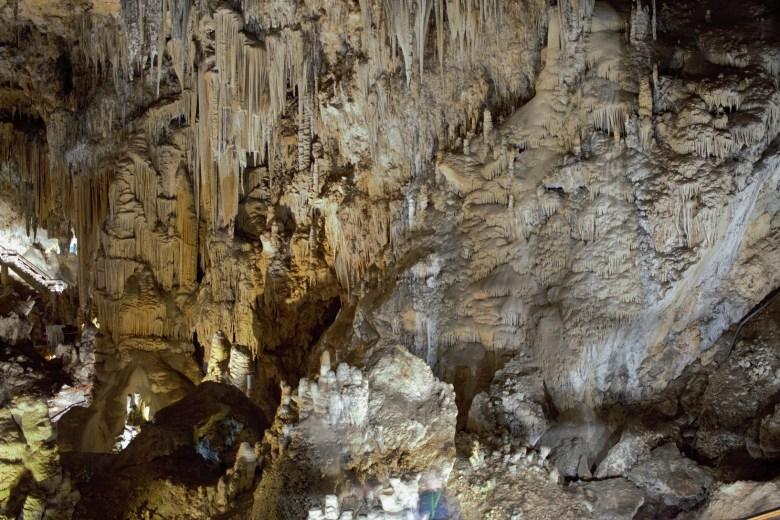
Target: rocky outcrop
(672,478)
(32,483)
(613,499)
(507,482)
(740,499)
(351,430)
(633,447)
(737,404)
(515,403)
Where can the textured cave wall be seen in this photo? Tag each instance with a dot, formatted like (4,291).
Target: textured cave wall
(189,134)
(588,190)
(225,169)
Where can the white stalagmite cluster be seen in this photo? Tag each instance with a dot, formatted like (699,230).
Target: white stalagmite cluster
(353,412)
(340,397)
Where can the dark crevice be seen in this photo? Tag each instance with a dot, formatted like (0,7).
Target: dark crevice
(199,353)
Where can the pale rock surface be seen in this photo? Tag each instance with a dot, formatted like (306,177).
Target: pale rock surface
(613,499)
(576,446)
(515,402)
(767,436)
(737,403)
(740,500)
(632,448)
(672,478)
(354,425)
(13,329)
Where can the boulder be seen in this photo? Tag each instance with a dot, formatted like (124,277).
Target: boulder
(613,499)
(672,478)
(629,450)
(514,402)
(740,500)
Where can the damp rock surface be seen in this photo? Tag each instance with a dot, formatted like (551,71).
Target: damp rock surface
(338,259)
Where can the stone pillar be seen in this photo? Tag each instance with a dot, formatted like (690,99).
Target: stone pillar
(219,354)
(240,367)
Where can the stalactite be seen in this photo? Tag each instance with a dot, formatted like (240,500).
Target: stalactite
(304,137)
(315,177)
(145,189)
(38,184)
(438,6)
(645,98)
(572,15)
(426,339)
(398,15)
(456,18)
(721,97)
(104,46)
(91,207)
(709,144)
(351,258)
(411,205)
(749,133)
(640,20)
(772,118)
(249,99)
(422,19)
(610,118)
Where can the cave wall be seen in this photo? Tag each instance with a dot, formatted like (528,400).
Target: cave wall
(587,190)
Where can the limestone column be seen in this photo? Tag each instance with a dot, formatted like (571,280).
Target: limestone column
(240,367)
(219,355)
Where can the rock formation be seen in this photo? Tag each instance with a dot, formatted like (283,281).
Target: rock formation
(389,258)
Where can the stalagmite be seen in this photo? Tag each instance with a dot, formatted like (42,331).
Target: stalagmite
(240,367)
(240,477)
(487,125)
(411,208)
(304,137)
(219,359)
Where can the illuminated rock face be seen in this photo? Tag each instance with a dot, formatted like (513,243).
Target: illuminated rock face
(31,476)
(546,234)
(383,436)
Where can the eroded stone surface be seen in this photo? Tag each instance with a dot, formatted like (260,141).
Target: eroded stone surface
(543,224)
(673,478)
